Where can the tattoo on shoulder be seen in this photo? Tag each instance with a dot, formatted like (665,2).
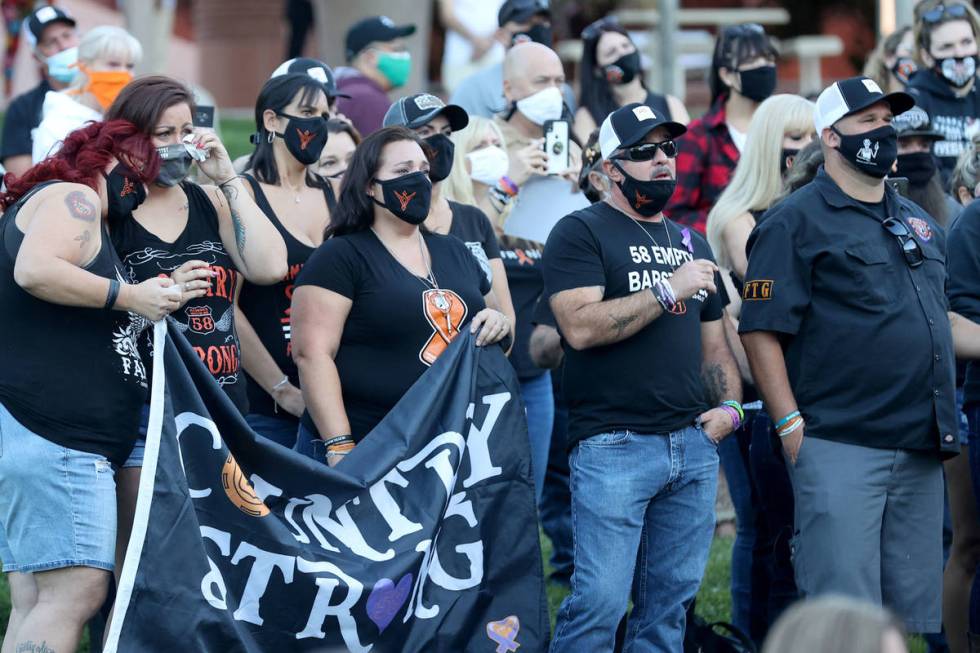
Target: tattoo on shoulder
(619,323)
(31,647)
(83,238)
(80,207)
(715,382)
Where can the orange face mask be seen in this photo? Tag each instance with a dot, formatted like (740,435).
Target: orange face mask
(105,85)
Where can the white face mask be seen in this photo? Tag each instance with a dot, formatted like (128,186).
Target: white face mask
(542,106)
(488,164)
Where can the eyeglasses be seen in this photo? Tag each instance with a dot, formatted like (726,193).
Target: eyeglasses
(596,29)
(648,151)
(942,11)
(910,246)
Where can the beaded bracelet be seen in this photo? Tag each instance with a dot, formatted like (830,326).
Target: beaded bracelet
(781,423)
(737,406)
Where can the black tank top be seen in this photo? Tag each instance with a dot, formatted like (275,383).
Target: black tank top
(659,104)
(207,322)
(267,307)
(71,375)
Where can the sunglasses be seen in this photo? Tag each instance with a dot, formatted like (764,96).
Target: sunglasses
(596,29)
(648,151)
(942,11)
(910,246)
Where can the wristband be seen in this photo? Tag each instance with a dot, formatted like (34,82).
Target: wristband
(228,181)
(284,382)
(664,294)
(507,186)
(781,423)
(737,406)
(793,426)
(736,421)
(112,295)
(340,439)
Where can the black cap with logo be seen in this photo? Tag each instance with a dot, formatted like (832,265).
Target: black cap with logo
(315,69)
(376,29)
(521,11)
(629,125)
(41,18)
(414,111)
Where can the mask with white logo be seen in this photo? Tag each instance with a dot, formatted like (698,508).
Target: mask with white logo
(958,71)
(543,106)
(488,164)
(871,152)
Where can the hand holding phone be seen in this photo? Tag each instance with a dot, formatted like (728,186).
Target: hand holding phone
(556,136)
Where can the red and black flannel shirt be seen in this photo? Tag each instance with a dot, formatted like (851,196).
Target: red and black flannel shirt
(706,158)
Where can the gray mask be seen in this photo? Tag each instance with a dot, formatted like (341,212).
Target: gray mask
(175,164)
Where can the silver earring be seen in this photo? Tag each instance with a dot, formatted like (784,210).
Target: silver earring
(270,137)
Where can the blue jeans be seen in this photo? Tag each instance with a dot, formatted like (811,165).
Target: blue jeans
(310,445)
(278,429)
(540,404)
(641,504)
(973,416)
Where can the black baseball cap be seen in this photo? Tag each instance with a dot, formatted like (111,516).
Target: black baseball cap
(315,69)
(915,122)
(41,18)
(376,29)
(854,94)
(416,110)
(629,125)
(521,11)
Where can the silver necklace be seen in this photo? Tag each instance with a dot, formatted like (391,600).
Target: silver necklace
(652,239)
(439,299)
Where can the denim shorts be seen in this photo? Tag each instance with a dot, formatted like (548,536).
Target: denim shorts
(135,458)
(57,505)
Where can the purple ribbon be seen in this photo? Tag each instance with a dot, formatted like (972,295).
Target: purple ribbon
(686,239)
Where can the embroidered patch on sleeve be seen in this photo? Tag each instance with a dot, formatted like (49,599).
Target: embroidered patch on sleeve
(758,290)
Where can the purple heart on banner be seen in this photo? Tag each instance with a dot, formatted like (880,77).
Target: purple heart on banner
(387,599)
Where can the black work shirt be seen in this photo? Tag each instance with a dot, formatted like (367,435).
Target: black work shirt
(867,341)
(963,265)
(649,383)
(23,115)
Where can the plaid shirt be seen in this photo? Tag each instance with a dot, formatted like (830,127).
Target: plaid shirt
(706,158)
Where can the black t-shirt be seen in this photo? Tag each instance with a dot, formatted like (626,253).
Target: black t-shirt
(472,226)
(396,327)
(522,261)
(866,337)
(953,117)
(207,322)
(963,266)
(71,375)
(651,382)
(23,115)
(268,309)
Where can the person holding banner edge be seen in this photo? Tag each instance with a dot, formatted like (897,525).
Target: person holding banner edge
(360,336)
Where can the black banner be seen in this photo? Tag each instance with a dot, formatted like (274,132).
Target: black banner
(424,539)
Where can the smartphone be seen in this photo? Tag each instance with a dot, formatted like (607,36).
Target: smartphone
(900,184)
(204,116)
(556,145)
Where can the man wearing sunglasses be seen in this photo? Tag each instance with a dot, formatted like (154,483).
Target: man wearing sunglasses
(845,326)
(946,41)
(652,387)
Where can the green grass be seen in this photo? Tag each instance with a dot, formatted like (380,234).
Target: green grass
(234,134)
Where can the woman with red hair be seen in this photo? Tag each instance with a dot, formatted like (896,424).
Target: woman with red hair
(72,382)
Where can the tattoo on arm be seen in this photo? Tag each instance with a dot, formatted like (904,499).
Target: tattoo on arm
(83,238)
(715,383)
(620,323)
(31,647)
(80,207)
(231,193)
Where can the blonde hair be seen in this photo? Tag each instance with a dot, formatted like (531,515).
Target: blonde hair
(757,180)
(967,170)
(831,624)
(923,30)
(104,42)
(458,186)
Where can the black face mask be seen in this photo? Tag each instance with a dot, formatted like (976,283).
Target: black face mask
(407,197)
(624,70)
(872,152)
(175,164)
(957,71)
(918,167)
(758,83)
(786,159)
(903,69)
(305,137)
(441,163)
(648,198)
(124,190)
(539,33)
